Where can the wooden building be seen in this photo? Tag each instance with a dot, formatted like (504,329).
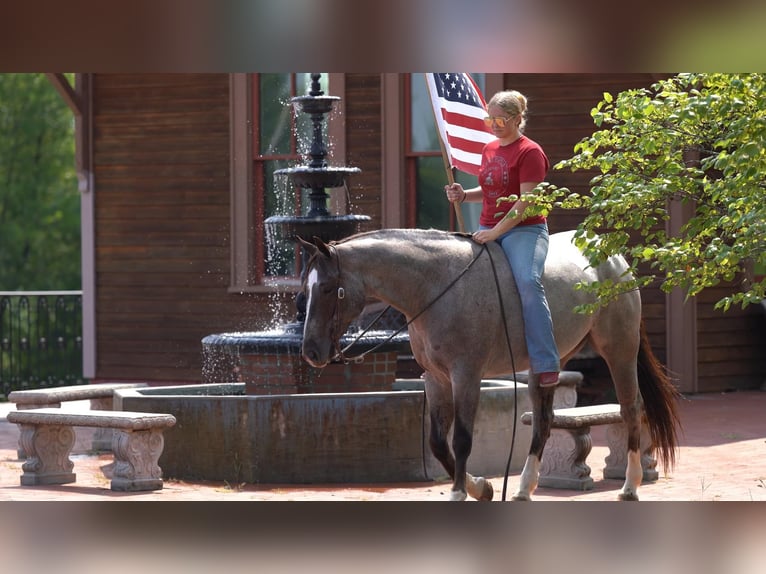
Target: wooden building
(171,177)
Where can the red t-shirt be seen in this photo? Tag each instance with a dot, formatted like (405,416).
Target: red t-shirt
(503,170)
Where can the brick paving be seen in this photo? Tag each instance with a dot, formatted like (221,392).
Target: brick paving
(722,458)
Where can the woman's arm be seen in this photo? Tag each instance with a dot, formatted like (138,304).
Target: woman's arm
(511,220)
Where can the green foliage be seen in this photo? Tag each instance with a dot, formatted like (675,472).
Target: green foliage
(697,139)
(39,201)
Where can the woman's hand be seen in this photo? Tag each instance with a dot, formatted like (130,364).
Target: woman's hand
(455,193)
(483,236)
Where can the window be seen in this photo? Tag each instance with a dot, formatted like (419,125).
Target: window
(266,136)
(280,140)
(425,171)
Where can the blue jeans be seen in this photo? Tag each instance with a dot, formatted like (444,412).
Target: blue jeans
(526,248)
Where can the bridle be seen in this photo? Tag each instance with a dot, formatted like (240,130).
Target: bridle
(340,353)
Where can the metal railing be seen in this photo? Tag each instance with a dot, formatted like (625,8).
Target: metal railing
(40,339)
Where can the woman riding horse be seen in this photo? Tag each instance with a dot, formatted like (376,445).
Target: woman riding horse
(511,165)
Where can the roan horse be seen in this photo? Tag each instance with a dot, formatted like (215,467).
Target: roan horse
(445,285)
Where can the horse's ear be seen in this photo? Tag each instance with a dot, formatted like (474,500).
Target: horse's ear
(310,248)
(321,246)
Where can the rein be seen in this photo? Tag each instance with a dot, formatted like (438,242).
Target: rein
(341,353)
(513,368)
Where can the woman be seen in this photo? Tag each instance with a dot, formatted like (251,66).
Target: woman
(513,164)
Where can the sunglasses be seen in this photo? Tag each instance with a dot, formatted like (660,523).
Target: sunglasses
(499,121)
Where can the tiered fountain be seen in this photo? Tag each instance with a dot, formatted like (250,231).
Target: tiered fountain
(270,362)
(266,416)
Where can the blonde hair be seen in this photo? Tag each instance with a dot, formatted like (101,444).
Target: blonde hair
(513,103)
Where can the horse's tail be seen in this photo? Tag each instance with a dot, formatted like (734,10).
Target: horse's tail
(660,402)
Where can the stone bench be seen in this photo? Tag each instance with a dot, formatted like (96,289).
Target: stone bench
(47,436)
(100,396)
(563,464)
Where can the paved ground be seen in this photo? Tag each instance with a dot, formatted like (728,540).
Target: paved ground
(722,457)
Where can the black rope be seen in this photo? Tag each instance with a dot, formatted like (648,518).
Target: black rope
(370,326)
(358,358)
(513,366)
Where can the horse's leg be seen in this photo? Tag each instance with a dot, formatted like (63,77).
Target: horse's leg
(542,416)
(466,391)
(441,413)
(477,487)
(620,351)
(625,380)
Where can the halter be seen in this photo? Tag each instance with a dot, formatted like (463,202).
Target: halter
(341,294)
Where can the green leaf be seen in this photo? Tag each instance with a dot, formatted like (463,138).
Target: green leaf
(751,149)
(640,156)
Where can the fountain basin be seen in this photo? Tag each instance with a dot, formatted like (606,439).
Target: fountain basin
(326,227)
(306,176)
(222,434)
(315,103)
(270,362)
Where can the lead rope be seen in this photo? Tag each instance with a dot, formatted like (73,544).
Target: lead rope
(513,366)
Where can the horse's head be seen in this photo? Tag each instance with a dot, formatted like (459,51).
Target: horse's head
(334,298)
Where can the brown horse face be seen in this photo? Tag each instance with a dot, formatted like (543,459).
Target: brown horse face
(332,303)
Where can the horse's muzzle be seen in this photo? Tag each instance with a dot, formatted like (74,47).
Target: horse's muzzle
(313,356)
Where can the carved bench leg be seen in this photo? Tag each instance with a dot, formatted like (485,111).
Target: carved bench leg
(47,449)
(22,407)
(102,438)
(563,464)
(136,454)
(617,460)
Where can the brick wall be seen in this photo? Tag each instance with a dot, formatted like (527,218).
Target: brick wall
(271,374)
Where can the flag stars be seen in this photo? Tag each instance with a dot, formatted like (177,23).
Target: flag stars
(457,88)
(453,96)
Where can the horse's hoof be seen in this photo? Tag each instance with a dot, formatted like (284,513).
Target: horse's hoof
(457,495)
(479,488)
(487,492)
(521,497)
(628,496)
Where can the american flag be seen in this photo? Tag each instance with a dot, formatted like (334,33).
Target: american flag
(460,109)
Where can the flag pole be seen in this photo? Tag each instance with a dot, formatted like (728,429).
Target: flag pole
(451,180)
(447,168)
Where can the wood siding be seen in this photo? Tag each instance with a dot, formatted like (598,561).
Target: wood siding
(161,157)
(731,345)
(364,145)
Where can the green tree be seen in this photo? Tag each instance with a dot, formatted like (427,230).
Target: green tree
(699,139)
(39,202)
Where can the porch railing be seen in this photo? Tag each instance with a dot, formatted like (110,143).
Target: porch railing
(40,339)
